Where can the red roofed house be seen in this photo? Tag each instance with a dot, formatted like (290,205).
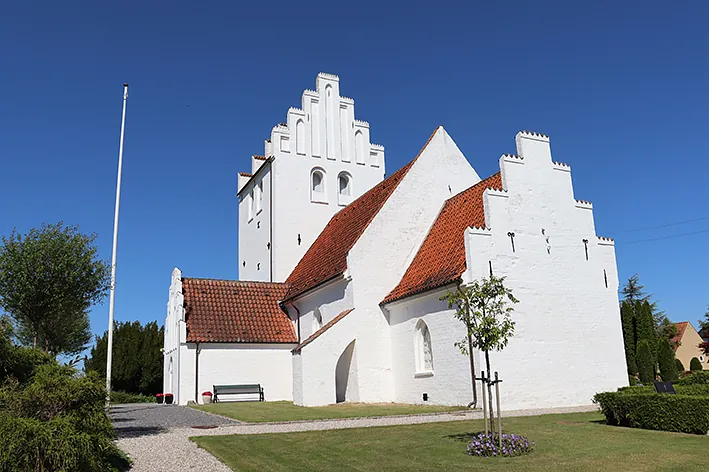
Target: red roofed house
(686,343)
(342,273)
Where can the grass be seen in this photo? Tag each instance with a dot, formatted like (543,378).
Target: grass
(258,412)
(571,442)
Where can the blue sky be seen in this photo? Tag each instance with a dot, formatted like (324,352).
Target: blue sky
(619,86)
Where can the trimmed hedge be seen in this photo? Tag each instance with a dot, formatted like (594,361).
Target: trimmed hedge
(695,365)
(693,390)
(677,413)
(123,397)
(695,378)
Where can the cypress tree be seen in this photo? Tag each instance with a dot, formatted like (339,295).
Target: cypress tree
(666,359)
(680,366)
(645,328)
(695,365)
(646,364)
(627,316)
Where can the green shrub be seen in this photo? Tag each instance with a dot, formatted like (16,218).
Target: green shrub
(646,363)
(20,362)
(679,366)
(123,397)
(677,413)
(56,422)
(691,390)
(666,359)
(695,378)
(695,365)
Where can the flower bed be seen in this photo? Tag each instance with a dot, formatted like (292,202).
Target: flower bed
(489,446)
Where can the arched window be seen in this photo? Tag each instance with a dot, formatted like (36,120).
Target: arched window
(359,147)
(300,137)
(317,186)
(423,349)
(317,319)
(344,188)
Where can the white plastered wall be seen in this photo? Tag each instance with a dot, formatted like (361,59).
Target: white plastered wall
(450,381)
(266,364)
(255,226)
(378,260)
(568,341)
(330,299)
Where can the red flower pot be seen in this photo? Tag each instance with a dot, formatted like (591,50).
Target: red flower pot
(168,398)
(159,398)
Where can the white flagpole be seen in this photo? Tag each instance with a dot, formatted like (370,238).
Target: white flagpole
(109,354)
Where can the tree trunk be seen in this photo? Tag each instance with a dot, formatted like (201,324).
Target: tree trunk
(489,393)
(474,403)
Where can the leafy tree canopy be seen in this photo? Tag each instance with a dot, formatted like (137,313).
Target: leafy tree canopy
(49,278)
(137,357)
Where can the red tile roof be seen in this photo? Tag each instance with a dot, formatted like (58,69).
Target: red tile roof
(245,174)
(441,258)
(234,311)
(327,326)
(677,338)
(327,257)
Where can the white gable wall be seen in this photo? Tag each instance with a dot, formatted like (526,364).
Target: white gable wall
(331,299)
(568,341)
(380,257)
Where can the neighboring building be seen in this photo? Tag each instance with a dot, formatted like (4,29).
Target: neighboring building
(360,287)
(687,341)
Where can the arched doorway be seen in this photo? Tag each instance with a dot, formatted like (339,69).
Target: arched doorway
(346,388)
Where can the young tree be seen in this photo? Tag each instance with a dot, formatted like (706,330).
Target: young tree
(695,365)
(137,357)
(666,359)
(646,363)
(484,307)
(679,366)
(627,316)
(49,278)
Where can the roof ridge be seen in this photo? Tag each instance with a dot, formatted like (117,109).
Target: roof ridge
(234,280)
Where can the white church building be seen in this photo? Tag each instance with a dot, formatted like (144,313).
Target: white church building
(341,271)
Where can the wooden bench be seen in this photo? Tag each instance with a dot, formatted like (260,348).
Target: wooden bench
(237,390)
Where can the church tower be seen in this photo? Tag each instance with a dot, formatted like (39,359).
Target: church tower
(313,165)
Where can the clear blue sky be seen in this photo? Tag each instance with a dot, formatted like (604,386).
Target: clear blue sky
(620,87)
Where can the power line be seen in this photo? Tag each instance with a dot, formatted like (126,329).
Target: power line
(663,237)
(665,225)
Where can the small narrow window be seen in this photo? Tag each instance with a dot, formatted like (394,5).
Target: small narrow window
(424,350)
(317,186)
(317,319)
(250,204)
(344,188)
(259,197)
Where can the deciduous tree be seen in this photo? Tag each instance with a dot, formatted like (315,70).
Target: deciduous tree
(49,278)
(485,308)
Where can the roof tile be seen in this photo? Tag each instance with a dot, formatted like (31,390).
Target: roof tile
(233,311)
(441,258)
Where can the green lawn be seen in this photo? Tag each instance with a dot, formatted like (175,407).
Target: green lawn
(573,442)
(258,412)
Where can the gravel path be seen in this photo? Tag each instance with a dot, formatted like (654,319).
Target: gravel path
(171,449)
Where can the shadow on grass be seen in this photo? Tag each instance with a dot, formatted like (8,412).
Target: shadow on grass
(464,437)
